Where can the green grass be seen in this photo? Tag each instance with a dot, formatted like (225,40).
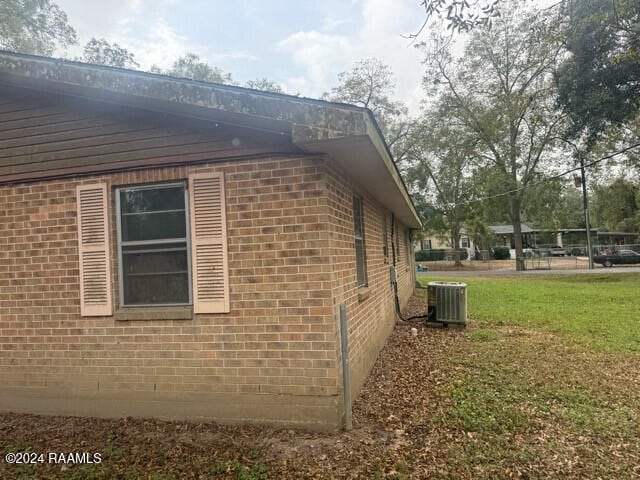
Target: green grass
(598,310)
(544,384)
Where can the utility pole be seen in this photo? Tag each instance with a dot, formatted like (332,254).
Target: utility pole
(585,205)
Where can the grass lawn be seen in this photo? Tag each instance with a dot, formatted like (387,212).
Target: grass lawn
(599,311)
(547,384)
(544,383)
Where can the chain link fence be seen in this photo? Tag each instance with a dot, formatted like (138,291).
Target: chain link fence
(549,257)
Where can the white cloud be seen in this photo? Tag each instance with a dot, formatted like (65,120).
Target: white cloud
(306,61)
(157,45)
(320,55)
(230,55)
(134,4)
(381,34)
(141,26)
(331,24)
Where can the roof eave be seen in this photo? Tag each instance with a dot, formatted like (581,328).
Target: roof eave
(314,125)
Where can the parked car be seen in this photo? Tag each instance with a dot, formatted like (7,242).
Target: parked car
(558,251)
(620,257)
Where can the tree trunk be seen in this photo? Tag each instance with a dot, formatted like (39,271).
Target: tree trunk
(455,237)
(516,203)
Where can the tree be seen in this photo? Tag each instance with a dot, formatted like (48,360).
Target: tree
(442,177)
(190,66)
(370,84)
(598,82)
(462,15)
(34,26)
(553,204)
(264,84)
(100,52)
(616,206)
(502,91)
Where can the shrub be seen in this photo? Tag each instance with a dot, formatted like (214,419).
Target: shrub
(436,254)
(430,255)
(501,253)
(576,251)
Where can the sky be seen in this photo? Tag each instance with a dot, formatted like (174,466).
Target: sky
(303,45)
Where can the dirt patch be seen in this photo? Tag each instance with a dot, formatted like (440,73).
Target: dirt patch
(467,265)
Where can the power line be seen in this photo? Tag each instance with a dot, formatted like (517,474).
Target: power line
(553,177)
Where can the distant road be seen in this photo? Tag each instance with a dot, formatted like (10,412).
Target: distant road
(498,273)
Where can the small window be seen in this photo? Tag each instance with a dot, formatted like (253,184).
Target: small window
(397,241)
(464,242)
(361,267)
(153,247)
(407,244)
(385,242)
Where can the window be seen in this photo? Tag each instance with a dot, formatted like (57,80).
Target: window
(172,249)
(385,243)
(465,242)
(361,267)
(407,243)
(153,247)
(397,241)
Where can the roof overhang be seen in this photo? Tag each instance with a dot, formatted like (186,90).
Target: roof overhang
(346,133)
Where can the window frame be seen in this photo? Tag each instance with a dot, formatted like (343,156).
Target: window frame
(357,201)
(397,240)
(187,240)
(407,242)
(385,240)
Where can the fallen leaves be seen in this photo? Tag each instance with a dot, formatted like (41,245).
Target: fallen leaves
(568,420)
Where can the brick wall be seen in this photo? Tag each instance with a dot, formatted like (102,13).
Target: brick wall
(274,357)
(278,339)
(371,319)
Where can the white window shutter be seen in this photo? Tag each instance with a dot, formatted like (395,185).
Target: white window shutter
(208,226)
(95,258)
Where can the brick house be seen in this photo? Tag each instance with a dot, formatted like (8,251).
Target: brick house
(181,249)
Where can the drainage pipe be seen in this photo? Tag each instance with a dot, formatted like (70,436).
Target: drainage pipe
(346,373)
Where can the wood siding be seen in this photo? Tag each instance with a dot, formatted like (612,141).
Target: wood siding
(44,135)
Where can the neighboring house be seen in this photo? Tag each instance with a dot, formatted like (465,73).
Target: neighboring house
(617,238)
(503,236)
(181,249)
(438,242)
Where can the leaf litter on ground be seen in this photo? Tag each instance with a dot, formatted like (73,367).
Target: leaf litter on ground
(447,404)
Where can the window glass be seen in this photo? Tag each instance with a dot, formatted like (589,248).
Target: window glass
(152,199)
(385,242)
(153,226)
(361,268)
(147,288)
(153,246)
(407,247)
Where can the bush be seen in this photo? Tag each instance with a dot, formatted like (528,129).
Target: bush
(436,254)
(501,253)
(576,251)
(430,255)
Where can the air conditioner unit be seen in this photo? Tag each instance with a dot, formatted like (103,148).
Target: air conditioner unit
(447,302)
